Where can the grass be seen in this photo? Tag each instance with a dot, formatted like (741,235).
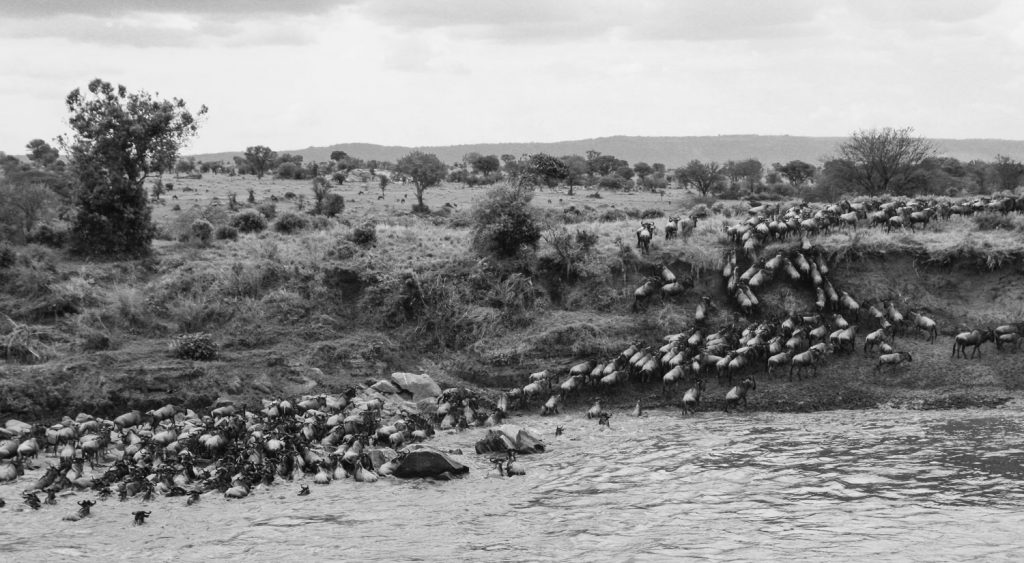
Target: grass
(417,299)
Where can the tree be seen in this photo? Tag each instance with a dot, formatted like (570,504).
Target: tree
(259,159)
(425,170)
(702,176)
(118,139)
(487,164)
(184,166)
(25,206)
(749,170)
(796,172)
(643,170)
(546,170)
(41,153)
(884,159)
(1008,171)
(504,221)
(603,165)
(576,171)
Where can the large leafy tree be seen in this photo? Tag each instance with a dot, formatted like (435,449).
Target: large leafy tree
(117,139)
(884,160)
(701,175)
(425,170)
(797,172)
(260,159)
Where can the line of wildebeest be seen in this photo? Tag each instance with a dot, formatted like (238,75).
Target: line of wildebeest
(800,341)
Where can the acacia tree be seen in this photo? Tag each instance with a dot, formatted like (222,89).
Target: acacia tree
(797,172)
(701,175)
(117,140)
(425,170)
(260,159)
(883,160)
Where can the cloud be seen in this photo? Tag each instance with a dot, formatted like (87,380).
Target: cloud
(243,9)
(184,23)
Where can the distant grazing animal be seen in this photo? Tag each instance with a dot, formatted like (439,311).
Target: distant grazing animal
(140,517)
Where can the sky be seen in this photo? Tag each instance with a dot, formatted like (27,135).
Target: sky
(296,73)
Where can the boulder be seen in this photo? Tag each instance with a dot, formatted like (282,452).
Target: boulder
(424,461)
(385,387)
(421,386)
(510,437)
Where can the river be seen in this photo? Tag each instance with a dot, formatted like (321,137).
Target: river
(838,485)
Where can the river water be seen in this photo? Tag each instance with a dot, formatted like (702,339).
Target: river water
(840,485)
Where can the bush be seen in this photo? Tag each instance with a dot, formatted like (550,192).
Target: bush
(268,210)
(194,346)
(319,222)
(504,222)
(48,235)
(994,221)
(226,232)
(202,231)
(290,223)
(613,215)
(365,234)
(249,221)
(7,255)
(333,205)
(423,209)
(652,214)
(176,207)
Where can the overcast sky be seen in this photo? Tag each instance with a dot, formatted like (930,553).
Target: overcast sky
(296,73)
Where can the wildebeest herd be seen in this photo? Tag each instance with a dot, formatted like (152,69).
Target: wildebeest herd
(171,451)
(800,341)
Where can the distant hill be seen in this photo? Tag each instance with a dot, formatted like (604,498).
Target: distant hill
(671,151)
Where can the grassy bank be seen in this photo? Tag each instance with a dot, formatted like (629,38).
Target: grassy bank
(323,308)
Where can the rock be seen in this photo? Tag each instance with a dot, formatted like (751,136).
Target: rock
(384,386)
(424,461)
(422,386)
(510,437)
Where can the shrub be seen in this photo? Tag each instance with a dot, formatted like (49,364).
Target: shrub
(319,222)
(340,177)
(571,250)
(47,235)
(504,222)
(268,210)
(652,214)
(7,255)
(613,215)
(289,223)
(333,205)
(194,346)
(202,231)
(700,210)
(994,221)
(249,221)
(226,232)
(176,207)
(365,234)
(423,209)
